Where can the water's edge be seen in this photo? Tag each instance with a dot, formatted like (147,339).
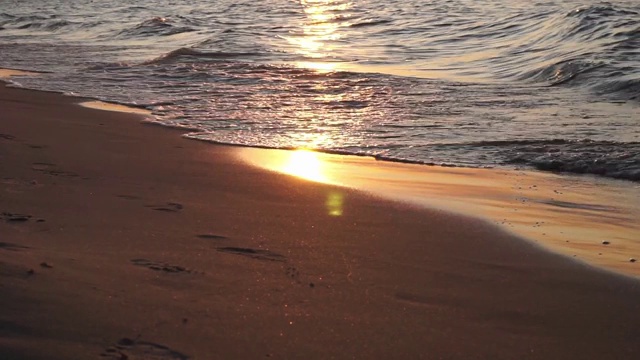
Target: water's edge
(419,190)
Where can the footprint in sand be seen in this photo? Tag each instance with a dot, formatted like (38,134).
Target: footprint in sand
(15,271)
(212,237)
(19,182)
(293,273)
(17,186)
(160,266)
(129,197)
(49,169)
(253,253)
(12,247)
(423,300)
(42,166)
(12,217)
(130,349)
(168,207)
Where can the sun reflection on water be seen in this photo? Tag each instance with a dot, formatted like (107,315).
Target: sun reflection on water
(321,67)
(320,32)
(322,109)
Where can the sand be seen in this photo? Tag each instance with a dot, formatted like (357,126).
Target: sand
(122,240)
(586,218)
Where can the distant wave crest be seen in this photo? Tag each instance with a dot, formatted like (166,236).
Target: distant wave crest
(157,26)
(184,52)
(596,46)
(32,22)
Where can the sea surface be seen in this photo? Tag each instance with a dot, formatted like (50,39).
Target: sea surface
(549,85)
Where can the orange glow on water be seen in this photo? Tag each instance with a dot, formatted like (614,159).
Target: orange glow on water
(318,30)
(319,66)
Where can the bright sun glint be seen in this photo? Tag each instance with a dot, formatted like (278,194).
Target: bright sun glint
(319,66)
(304,164)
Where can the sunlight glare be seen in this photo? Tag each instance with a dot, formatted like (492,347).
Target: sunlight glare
(304,164)
(319,31)
(318,66)
(335,202)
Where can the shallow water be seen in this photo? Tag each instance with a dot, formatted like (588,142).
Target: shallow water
(549,85)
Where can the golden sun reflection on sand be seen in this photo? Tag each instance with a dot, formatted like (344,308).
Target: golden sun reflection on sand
(304,164)
(569,214)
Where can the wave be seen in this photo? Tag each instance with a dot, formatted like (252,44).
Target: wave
(366,23)
(243,78)
(108,66)
(157,26)
(17,19)
(48,25)
(561,72)
(32,22)
(604,158)
(184,52)
(598,11)
(630,88)
(596,47)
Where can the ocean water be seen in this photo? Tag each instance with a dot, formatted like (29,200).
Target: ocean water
(549,85)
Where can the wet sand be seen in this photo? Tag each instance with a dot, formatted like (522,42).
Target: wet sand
(585,218)
(122,240)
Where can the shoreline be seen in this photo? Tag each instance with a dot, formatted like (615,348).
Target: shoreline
(156,245)
(7,73)
(595,229)
(566,215)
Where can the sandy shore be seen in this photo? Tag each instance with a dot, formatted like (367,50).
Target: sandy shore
(125,241)
(587,219)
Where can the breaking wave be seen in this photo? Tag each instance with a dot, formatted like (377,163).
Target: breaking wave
(604,158)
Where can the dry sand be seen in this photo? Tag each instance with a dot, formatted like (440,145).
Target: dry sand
(125,241)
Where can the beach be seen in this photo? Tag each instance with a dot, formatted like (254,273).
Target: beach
(123,240)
